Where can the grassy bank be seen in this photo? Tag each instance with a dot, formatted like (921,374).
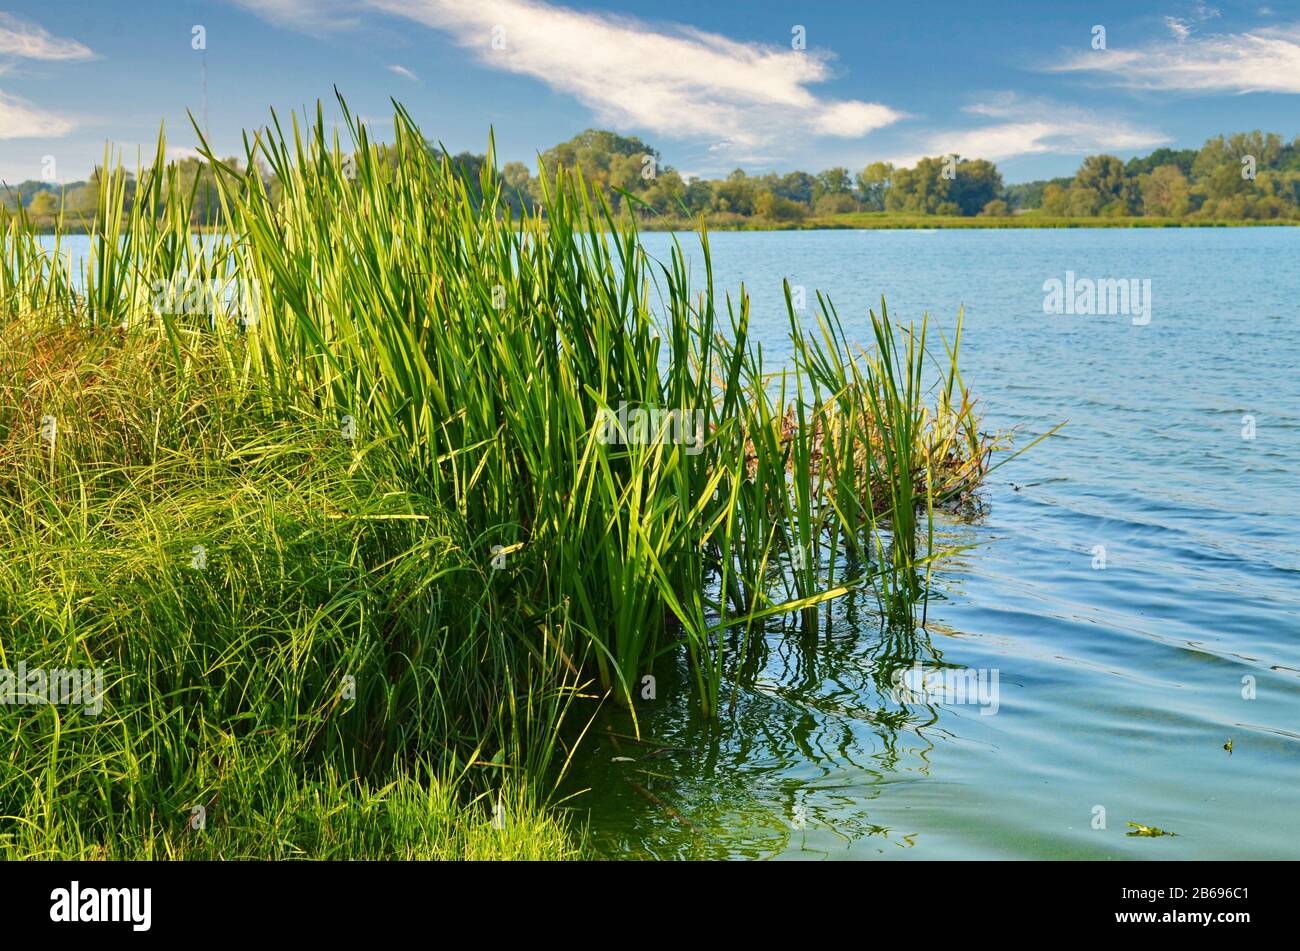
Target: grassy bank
(363,516)
(270,610)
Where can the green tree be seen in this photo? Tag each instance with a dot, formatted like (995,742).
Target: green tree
(833,181)
(517,188)
(43,208)
(1081,202)
(664,192)
(775,208)
(1181,159)
(736,194)
(873,184)
(1165,192)
(609,161)
(836,203)
(796,186)
(698,196)
(922,190)
(1030,194)
(1055,200)
(1103,186)
(978,182)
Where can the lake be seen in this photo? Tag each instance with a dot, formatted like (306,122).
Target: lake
(1118,686)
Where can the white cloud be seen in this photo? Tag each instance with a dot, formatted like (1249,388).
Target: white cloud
(319,17)
(853,120)
(673,80)
(1181,29)
(403,72)
(1034,127)
(1262,60)
(22,120)
(29,41)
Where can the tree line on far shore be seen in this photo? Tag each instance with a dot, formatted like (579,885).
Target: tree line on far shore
(1244,176)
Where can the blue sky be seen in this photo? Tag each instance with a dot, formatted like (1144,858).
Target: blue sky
(713,86)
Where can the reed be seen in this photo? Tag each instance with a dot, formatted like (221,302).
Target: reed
(489,353)
(474,462)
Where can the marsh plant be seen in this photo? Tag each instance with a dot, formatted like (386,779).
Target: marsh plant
(65,686)
(494,537)
(212,298)
(640,425)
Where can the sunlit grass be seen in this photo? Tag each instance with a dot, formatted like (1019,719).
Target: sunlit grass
(395,459)
(285,633)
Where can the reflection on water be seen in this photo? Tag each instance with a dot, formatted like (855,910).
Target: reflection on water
(1136,585)
(853,712)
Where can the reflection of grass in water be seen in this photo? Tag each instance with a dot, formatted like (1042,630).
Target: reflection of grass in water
(816,716)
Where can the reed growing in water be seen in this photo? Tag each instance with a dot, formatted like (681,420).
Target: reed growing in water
(451,473)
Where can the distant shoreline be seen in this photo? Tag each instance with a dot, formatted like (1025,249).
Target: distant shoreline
(876,221)
(883,221)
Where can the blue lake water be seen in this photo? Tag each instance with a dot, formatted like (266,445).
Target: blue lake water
(1118,686)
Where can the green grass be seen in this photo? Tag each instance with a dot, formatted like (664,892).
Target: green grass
(423,559)
(227,675)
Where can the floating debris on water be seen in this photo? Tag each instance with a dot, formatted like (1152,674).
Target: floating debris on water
(1150,831)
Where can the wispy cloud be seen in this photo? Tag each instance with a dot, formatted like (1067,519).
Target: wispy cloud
(1262,60)
(403,72)
(30,41)
(1179,28)
(316,18)
(674,80)
(1185,26)
(1034,127)
(21,120)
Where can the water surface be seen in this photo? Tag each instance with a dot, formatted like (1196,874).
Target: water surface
(1118,686)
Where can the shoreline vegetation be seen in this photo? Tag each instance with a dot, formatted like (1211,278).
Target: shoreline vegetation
(863,221)
(883,221)
(352,546)
(1242,179)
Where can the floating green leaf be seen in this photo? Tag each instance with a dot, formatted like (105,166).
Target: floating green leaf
(1151,831)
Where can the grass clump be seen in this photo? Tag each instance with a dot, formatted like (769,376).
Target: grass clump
(354,534)
(495,352)
(288,641)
